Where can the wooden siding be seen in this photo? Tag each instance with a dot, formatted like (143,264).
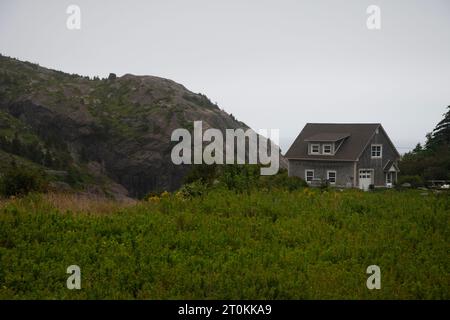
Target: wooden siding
(344,170)
(378,164)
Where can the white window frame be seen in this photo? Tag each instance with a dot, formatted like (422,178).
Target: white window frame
(331,149)
(335,176)
(306,175)
(372,151)
(315,145)
(372,173)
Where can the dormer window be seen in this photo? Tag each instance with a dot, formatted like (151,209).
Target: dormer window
(325,143)
(315,148)
(326,149)
(376,151)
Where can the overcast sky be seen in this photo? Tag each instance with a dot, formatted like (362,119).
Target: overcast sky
(273,64)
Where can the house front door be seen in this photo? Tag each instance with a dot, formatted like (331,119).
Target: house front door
(365,178)
(391,176)
(389,179)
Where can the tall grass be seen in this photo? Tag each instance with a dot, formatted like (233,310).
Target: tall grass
(305,244)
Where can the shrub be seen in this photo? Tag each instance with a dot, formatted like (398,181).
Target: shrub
(21,181)
(436,173)
(282,181)
(415,181)
(194,189)
(204,173)
(240,178)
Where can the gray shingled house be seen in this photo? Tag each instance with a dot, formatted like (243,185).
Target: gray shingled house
(344,155)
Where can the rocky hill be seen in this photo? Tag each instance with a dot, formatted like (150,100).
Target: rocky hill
(105,135)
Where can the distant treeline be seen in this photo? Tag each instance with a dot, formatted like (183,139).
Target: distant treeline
(430,161)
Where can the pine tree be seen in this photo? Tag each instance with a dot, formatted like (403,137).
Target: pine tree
(418,149)
(431,161)
(441,134)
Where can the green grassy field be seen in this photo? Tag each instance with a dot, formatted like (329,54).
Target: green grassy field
(306,244)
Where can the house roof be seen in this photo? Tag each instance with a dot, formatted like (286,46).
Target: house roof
(389,165)
(356,135)
(327,137)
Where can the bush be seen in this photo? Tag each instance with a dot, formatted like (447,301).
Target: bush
(21,181)
(415,181)
(436,173)
(191,190)
(282,181)
(242,178)
(204,173)
(239,178)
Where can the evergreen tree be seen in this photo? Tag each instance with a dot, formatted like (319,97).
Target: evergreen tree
(418,149)
(431,162)
(441,134)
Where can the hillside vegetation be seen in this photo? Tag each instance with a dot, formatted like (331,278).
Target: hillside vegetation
(103,136)
(300,244)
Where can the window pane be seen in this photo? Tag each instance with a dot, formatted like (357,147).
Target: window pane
(332,177)
(376,151)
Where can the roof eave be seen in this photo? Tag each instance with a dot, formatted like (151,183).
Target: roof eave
(321,159)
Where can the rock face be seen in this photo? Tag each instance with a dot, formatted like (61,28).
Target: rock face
(108,132)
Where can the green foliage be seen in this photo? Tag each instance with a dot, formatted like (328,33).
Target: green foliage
(282,180)
(203,173)
(441,133)
(21,181)
(415,181)
(239,178)
(200,100)
(431,162)
(304,244)
(193,189)
(77,178)
(242,178)
(31,151)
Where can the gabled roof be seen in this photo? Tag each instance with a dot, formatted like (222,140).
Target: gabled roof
(356,135)
(327,137)
(389,165)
